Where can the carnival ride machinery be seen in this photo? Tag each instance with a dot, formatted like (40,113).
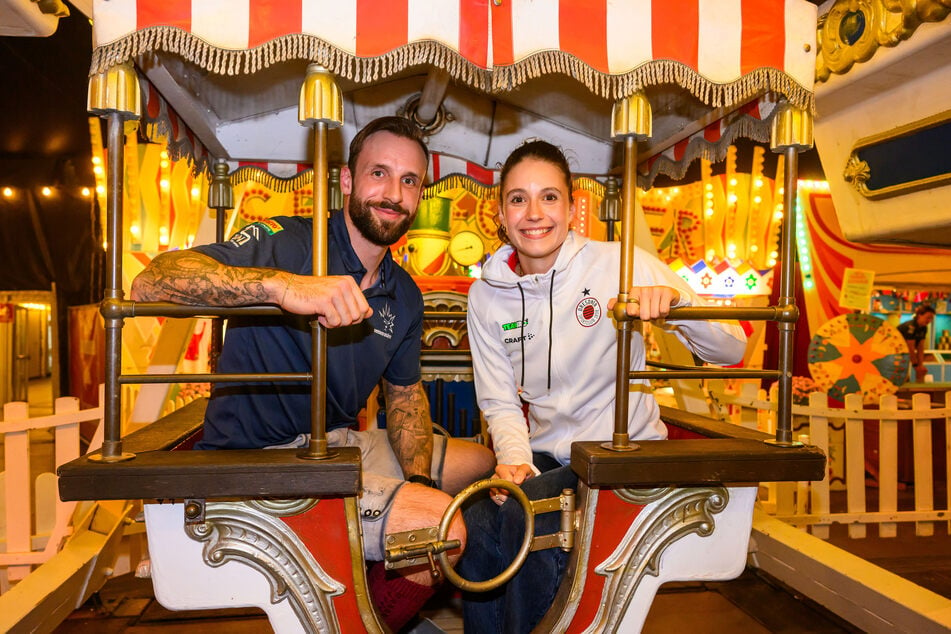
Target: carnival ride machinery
(618,82)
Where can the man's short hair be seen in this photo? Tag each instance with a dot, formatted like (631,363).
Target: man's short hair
(924,308)
(400,126)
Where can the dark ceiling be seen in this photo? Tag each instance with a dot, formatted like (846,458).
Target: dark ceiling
(44,130)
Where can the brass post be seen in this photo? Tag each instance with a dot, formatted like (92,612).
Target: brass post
(792,132)
(114,95)
(220,198)
(321,107)
(631,120)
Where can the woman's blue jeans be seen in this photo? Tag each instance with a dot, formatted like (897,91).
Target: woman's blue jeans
(495,534)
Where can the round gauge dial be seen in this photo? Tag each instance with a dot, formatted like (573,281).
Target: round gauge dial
(466,248)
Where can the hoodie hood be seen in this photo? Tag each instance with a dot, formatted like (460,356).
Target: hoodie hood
(497,271)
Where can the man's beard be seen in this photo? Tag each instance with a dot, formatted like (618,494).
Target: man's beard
(377,231)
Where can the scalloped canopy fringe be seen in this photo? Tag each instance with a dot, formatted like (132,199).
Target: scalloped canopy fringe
(309,48)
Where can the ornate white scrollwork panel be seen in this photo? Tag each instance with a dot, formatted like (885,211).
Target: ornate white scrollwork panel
(252,533)
(681,534)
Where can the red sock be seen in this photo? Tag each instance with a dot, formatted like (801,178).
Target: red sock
(396,598)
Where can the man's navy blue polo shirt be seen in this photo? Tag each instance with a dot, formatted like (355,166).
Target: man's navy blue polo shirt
(387,345)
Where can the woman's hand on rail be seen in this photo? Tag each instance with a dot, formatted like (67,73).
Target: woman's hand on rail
(335,299)
(515,474)
(649,302)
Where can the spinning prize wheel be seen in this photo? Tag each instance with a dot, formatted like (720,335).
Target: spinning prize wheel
(857,353)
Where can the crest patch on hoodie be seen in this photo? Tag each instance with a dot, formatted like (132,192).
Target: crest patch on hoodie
(588,312)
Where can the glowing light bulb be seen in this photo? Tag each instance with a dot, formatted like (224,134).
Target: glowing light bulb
(7,192)
(46,191)
(86,192)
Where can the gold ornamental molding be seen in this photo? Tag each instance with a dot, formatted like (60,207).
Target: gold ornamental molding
(251,533)
(672,515)
(853,30)
(860,169)
(669,514)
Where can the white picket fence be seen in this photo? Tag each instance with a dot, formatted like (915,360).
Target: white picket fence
(841,433)
(35,521)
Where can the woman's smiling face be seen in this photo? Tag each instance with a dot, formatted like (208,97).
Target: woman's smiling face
(536,210)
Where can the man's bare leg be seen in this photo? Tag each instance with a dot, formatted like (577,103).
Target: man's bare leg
(400,594)
(465,462)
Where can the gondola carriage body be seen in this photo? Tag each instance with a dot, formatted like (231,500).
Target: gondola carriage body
(280,531)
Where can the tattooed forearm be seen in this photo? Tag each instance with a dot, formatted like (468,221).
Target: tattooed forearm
(409,428)
(187,277)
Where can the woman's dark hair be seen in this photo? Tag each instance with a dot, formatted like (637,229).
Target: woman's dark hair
(400,126)
(542,151)
(924,308)
(539,150)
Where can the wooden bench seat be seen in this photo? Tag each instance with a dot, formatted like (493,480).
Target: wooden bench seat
(157,472)
(712,453)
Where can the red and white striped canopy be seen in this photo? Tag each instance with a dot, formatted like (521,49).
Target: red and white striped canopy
(710,47)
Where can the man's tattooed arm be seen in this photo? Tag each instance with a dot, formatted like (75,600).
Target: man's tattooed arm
(189,277)
(409,427)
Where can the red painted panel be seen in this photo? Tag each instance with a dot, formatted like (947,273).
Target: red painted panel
(270,19)
(583,31)
(675,34)
(381,27)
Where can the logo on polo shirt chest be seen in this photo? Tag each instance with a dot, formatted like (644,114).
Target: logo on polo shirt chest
(389,321)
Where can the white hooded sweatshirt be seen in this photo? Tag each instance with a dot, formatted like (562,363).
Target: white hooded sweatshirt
(548,340)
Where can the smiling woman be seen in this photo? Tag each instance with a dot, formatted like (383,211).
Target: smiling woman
(540,331)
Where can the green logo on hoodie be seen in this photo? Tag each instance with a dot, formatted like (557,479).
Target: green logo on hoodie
(512,325)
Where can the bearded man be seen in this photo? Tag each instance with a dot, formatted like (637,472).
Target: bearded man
(374,313)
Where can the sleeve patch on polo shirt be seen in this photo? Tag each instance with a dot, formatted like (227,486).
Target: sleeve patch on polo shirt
(255,231)
(271,226)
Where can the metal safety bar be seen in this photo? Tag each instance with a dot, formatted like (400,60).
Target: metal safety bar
(216,377)
(321,108)
(791,133)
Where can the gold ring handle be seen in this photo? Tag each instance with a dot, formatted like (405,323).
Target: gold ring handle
(489,584)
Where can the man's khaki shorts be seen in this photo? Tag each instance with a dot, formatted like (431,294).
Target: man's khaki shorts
(382,478)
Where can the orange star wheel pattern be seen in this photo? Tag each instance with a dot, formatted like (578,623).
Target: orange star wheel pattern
(857,353)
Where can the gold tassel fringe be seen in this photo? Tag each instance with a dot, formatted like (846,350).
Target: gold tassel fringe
(305,47)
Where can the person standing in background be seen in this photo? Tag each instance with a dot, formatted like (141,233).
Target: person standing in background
(915,331)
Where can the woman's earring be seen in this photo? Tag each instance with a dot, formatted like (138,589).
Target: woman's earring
(503,234)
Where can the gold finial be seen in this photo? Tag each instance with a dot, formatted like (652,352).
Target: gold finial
(792,127)
(632,116)
(115,90)
(220,193)
(611,203)
(320,99)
